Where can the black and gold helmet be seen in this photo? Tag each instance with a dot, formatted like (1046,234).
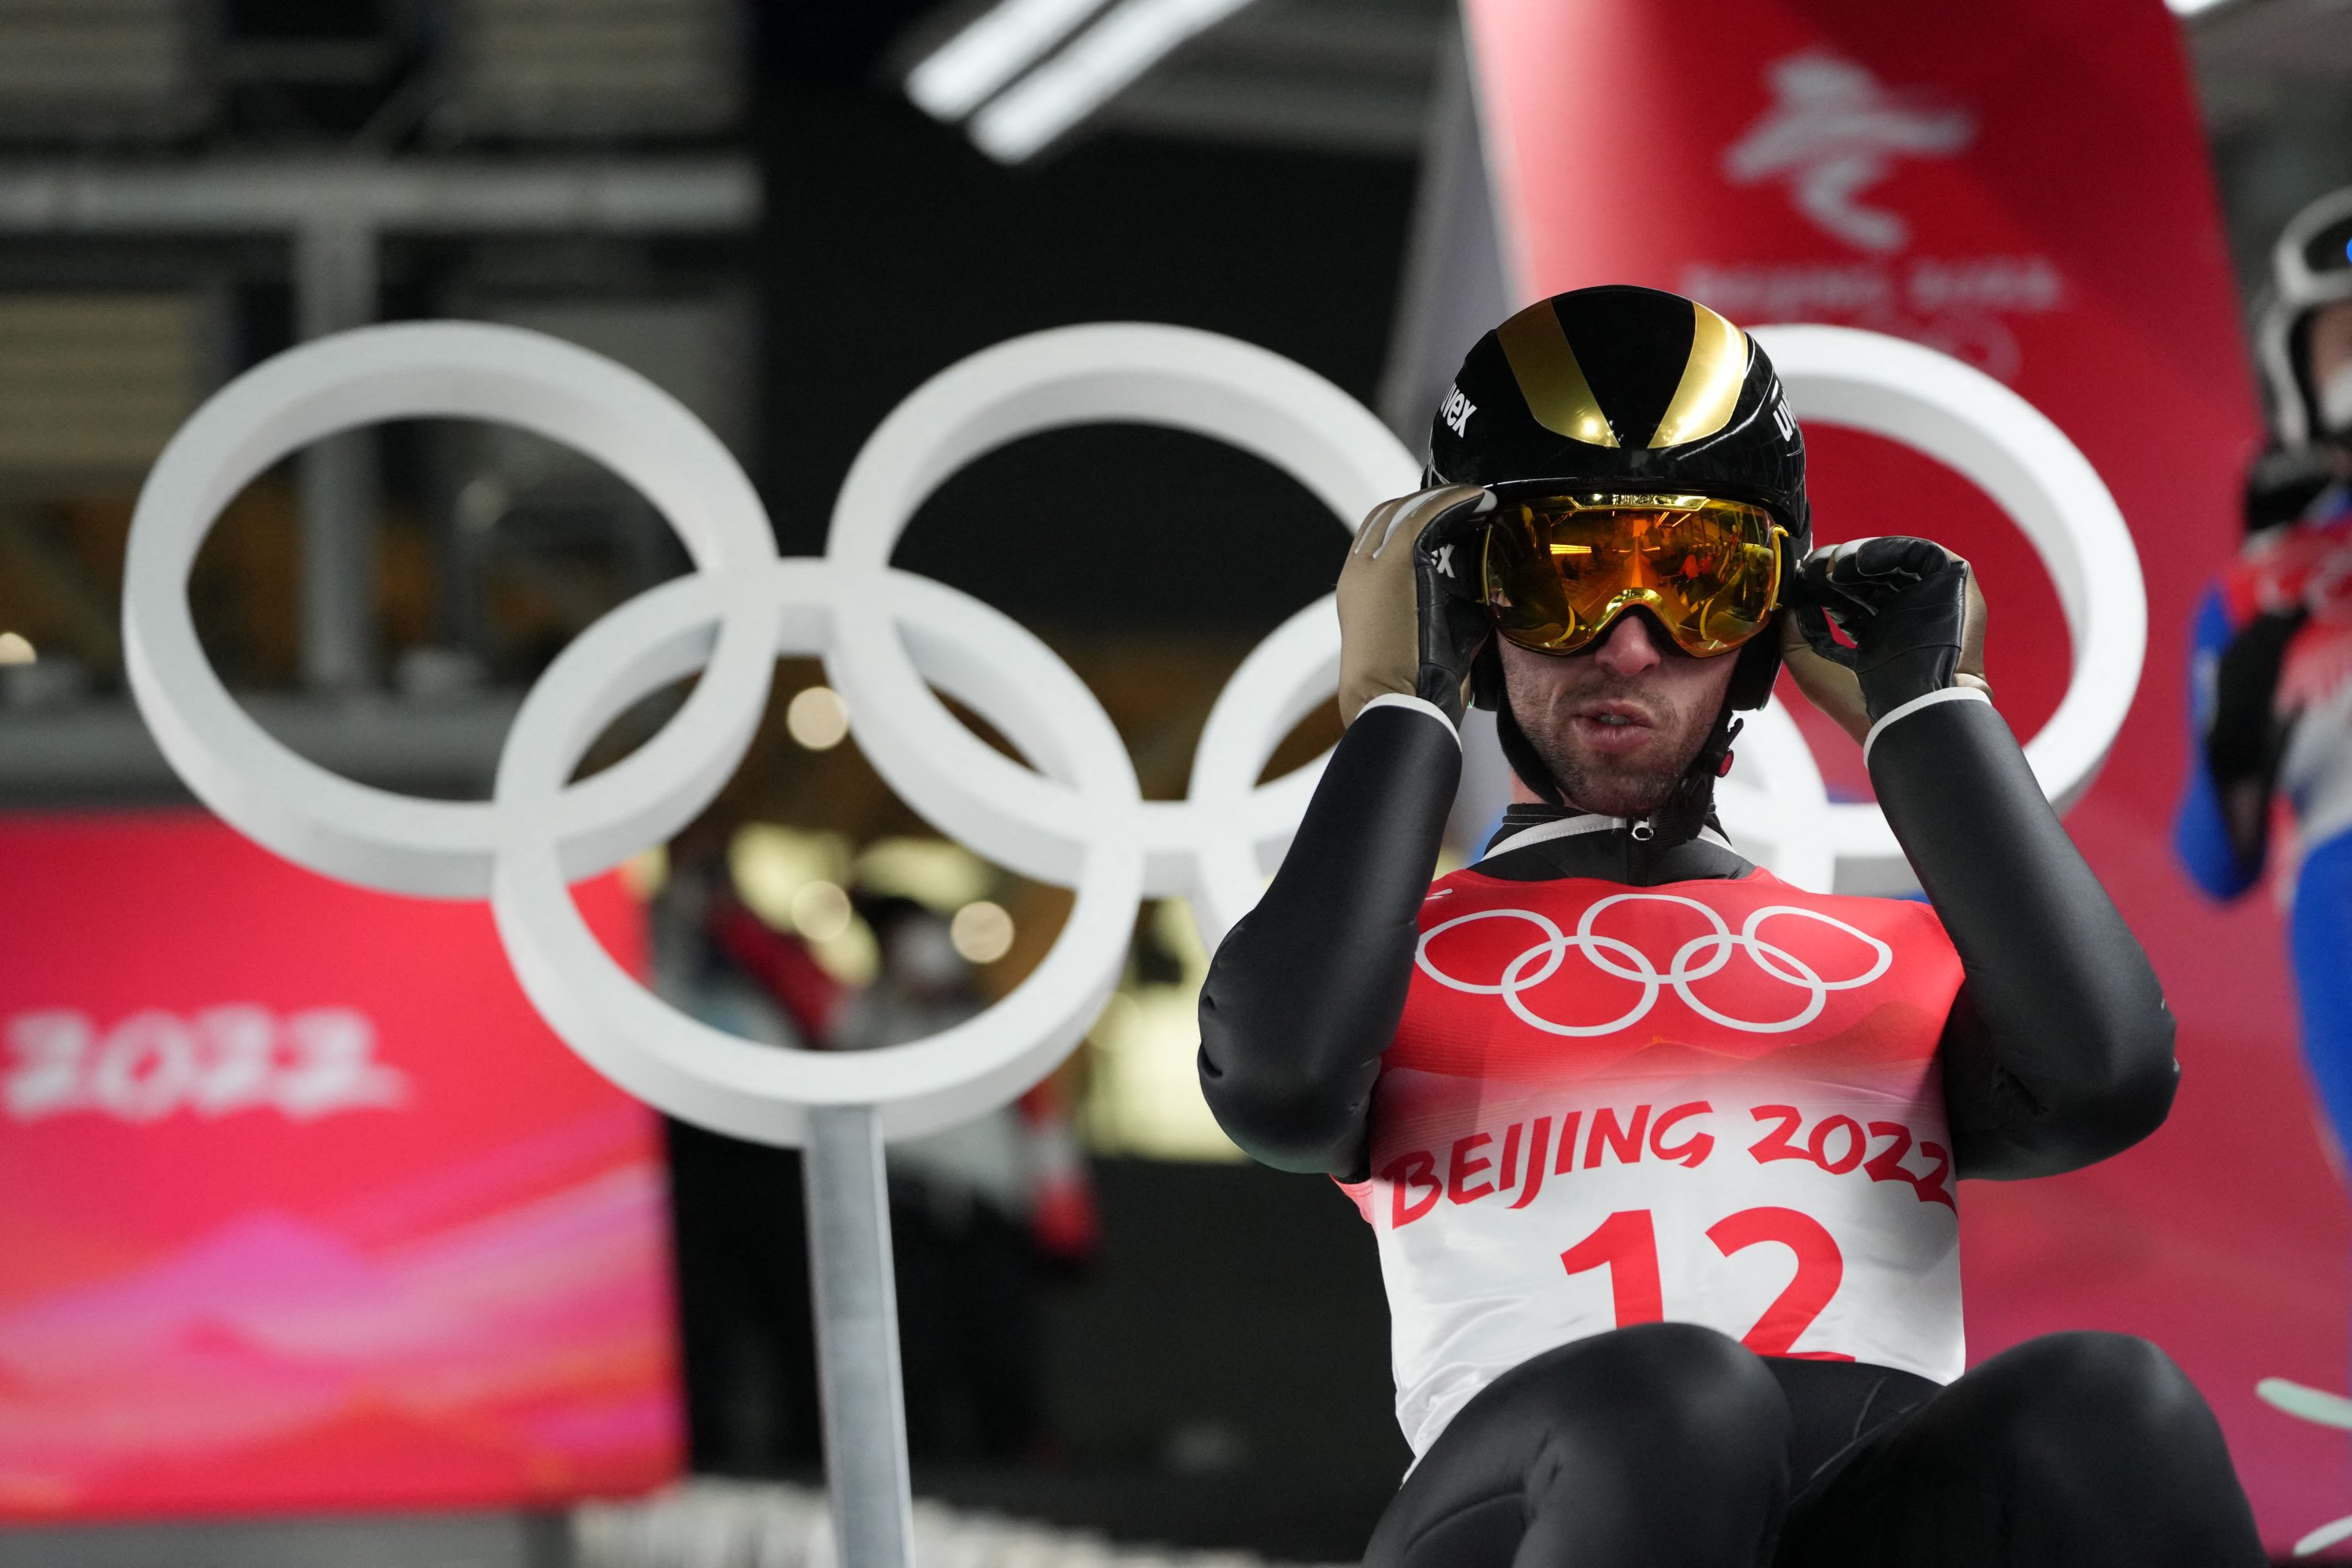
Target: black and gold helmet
(1631,391)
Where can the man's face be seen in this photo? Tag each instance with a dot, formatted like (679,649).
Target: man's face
(2331,341)
(2331,375)
(1618,723)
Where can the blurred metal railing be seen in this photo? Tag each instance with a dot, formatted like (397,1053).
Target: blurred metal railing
(335,213)
(295,194)
(100,69)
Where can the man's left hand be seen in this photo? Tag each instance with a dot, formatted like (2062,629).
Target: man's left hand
(1914,618)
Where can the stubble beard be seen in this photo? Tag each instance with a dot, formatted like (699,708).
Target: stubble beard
(1594,782)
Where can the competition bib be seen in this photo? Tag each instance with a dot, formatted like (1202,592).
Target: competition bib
(1711,1102)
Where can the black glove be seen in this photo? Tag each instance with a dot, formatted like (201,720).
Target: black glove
(1411,614)
(2244,736)
(1905,603)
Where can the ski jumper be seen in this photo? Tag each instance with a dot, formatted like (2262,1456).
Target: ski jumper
(1660,1155)
(2302,570)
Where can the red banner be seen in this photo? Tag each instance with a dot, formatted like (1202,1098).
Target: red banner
(2023,185)
(300,1205)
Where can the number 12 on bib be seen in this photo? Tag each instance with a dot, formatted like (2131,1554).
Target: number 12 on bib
(1626,1245)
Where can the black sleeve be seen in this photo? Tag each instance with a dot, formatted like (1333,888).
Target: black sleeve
(2245,737)
(1304,993)
(2058,1048)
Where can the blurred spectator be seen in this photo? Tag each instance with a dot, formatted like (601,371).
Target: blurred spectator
(2272,668)
(740,1228)
(980,1211)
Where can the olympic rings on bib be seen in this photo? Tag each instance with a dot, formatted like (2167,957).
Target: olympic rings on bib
(1546,957)
(1073,814)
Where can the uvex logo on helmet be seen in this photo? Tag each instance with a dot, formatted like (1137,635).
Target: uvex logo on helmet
(1456,411)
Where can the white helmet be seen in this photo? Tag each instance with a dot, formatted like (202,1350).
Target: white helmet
(2310,267)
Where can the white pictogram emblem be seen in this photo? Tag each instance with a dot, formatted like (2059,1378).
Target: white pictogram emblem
(1833,133)
(1621,960)
(1074,816)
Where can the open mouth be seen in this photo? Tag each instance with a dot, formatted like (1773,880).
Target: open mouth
(1615,715)
(1613,725)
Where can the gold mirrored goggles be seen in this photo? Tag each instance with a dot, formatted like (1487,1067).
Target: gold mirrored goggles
(1559,568)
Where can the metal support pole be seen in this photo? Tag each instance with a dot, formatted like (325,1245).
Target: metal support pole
(857,1340)
(335,289)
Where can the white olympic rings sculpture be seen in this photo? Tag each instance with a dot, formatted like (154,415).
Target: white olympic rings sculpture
(1075,817)
(1548,954)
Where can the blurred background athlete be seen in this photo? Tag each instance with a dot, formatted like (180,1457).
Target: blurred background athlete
(1658,1149)
(2272,669)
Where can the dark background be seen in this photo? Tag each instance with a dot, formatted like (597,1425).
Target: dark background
(927,251)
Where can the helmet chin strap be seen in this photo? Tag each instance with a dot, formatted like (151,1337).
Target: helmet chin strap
(1522,753)
(1691,806)
(1687,809)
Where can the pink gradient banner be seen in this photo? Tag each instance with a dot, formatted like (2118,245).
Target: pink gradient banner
(301,1206)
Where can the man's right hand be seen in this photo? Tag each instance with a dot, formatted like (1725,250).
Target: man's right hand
(1410,614)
